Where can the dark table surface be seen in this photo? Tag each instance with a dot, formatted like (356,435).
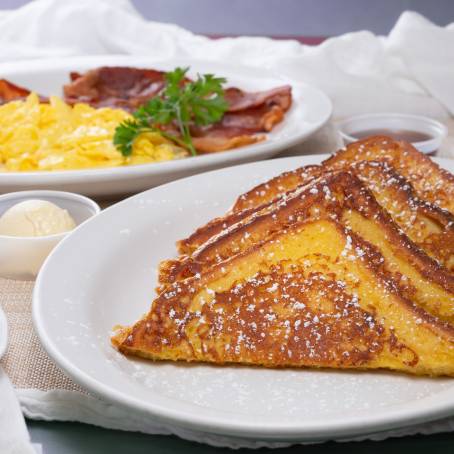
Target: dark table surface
(74,438)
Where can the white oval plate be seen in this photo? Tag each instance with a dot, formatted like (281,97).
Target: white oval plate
(311,109)
(104,274)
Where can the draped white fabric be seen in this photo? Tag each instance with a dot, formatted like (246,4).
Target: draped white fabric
(408,71)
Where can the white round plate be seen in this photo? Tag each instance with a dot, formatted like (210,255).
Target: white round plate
(104,274)
(3,333)
(311,109)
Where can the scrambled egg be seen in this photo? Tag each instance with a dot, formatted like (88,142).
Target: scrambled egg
(57,136)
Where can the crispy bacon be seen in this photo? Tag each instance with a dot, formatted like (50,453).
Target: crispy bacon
(123,87)
(257,119)
(248,114)
(240,100)
(238,128)
(217,138)
(11,92)
(116,86)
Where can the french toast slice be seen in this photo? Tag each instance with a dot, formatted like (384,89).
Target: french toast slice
(431,183)
(427,225)
(275,187)
(429,180)
(430,227)
(263,196)
(314,295)
(340,196)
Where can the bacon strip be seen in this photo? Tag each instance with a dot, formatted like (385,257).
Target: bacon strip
(248,114)
(241,100)
(11,92)
(123,87)
(258,119)
(130,87)
(219,138)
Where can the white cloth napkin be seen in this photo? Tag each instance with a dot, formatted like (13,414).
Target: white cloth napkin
(408,71)
(14,438)
(72,406)
(427,52)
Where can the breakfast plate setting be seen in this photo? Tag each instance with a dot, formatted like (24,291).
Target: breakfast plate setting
(84,290)
(243,242)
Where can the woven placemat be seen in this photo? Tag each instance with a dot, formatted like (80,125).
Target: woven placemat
(26,363)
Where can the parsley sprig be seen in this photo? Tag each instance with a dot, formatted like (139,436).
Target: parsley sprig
(180,102)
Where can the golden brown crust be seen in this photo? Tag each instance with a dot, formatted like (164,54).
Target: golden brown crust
(427,225)
(276,187)
(261,197)
(430,181)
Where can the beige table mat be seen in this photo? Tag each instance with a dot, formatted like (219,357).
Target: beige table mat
(25,362)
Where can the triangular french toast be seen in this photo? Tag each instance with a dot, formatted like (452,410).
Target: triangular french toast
(343,265)
(313,295)
(431,183)
(340,196)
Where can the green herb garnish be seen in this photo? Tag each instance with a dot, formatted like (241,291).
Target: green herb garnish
(200,102)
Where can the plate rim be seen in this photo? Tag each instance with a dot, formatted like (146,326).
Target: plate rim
(3,333)
(394,418)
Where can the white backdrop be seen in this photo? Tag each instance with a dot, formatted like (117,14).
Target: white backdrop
(285,17)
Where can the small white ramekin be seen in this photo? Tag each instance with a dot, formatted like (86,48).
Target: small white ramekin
(22,257)
(396,122)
